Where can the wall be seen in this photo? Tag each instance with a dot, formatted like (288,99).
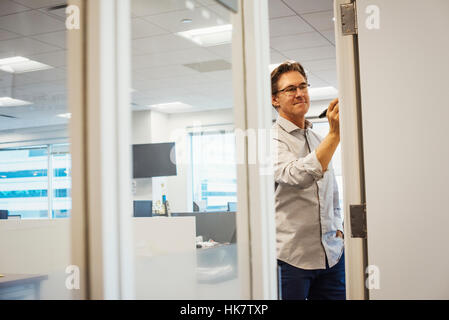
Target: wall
(37,247)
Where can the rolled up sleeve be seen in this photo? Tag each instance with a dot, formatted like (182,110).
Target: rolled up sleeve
(289,169)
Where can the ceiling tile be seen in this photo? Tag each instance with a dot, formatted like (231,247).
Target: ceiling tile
(141,28)
(206,2)
(54,38)
(172,21)
(224,51)
(54,59)
(23,47)
(329,34)
(329,75)
(161,43)
(57,13)
(276,9)
(222,12)
(30,23)
(316,82)
(9,7)
(320,20)
(47,75)
(37,4)
(220,76)
(287,26)
(306,6)
(298,41)
(315,53)
(146,8)
(6,82)
(276,57)
(5,35)
(172,57)
(318,65)
(163,72)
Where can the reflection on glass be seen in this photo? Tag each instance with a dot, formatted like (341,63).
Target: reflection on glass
(182,93)
(34,156)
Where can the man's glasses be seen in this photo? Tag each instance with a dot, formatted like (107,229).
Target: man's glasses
(291,90)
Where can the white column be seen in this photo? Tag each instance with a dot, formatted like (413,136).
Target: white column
(257,121)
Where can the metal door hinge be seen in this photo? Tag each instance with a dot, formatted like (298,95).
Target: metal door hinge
(358,220)
(348,18)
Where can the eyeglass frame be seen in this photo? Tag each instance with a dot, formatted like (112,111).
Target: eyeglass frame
(296,88)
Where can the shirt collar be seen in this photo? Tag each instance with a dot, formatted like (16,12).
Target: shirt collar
(290,126)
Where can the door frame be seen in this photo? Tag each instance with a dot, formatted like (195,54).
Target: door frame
(352,153)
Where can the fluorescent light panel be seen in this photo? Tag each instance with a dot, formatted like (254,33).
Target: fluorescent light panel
(10,102)
(171,106)
(65,115)
(322,93)
(21,65)
(207,37)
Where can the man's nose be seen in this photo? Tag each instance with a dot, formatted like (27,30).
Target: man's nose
(299,92)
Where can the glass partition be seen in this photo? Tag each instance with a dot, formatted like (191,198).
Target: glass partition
(34,152)
(185,223)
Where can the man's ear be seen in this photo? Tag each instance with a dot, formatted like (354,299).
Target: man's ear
(274,101)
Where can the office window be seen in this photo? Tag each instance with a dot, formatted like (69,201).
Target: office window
(214,181)
(61,181)
(25,181)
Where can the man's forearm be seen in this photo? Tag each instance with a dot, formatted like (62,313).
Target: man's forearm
(326,149)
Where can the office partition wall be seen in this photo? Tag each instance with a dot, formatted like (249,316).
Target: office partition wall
(151,64)
(41,232)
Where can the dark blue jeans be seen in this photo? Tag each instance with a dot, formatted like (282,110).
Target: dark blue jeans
(322,284)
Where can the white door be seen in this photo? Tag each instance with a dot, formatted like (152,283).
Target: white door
(403,66)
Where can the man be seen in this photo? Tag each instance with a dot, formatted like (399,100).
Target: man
(309,225)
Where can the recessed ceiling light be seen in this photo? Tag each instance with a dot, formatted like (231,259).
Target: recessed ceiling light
(211,36)
(186,21)
(205,13)
(65,115)
(21,64)
(171,106)
(190,5)
(10,102)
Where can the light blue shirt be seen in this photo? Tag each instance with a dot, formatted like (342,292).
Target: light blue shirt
(307,207)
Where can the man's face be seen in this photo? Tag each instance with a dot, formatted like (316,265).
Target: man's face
(295,104)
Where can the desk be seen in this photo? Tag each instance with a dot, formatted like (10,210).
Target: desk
(21,286)
(217,264)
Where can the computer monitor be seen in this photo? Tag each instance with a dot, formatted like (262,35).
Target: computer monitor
(143,208)
(3,214)
(154,160)
(232,206)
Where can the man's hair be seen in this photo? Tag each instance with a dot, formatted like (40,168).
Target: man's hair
(284,67)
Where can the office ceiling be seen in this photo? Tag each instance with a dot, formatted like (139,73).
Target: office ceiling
(166,67)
